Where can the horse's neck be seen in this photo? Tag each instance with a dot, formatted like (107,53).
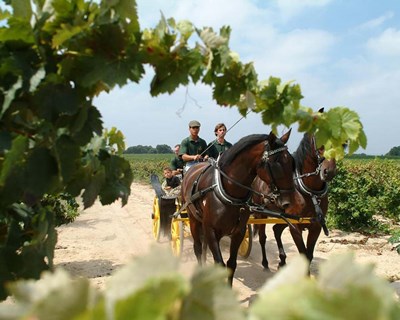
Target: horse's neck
(240,171)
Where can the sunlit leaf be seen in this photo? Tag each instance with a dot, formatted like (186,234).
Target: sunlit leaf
(210,297)
(44,296)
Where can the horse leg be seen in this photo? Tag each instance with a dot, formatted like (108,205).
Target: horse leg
(278,229)
(196,231)
(204,253)
(313,234)
(262,239)
(213,243)
(236,240)
(298,239)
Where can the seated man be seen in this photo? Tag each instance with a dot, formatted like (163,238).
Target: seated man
(177,162)
(172,184)
(193,148)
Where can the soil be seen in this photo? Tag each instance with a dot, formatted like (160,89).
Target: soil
(104,238)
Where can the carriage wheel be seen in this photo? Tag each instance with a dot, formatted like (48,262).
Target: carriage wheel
(156,219)
(177,236)
(245,246)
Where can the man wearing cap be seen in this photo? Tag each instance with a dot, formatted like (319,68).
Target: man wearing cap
(193,148)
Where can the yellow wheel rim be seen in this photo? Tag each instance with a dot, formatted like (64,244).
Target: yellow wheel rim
(245,246)
(156,220)
(176,238)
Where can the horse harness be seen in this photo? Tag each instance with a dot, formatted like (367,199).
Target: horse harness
(315,195)
(224,197)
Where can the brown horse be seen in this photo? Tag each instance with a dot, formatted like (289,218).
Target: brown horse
(312,174)
(217,194)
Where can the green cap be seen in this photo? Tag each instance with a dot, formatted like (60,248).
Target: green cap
(194,123)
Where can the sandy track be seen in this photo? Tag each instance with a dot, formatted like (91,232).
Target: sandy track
(105,237)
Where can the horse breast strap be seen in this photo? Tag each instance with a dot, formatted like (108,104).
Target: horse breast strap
(219,190)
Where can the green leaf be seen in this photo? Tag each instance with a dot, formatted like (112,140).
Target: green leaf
(186,28)
(18,30)
(118,180)
(42,172)
(68,154)
(211,39)
(140,272)
(14,157)
(343,290)
(22,9)
(116,137)
(44,296)
(210,297)
(351,124)
(96,181)
(155,300)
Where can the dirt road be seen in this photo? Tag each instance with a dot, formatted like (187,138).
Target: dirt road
(106,237)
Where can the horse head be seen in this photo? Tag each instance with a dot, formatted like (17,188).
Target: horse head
(276,170)
(327,167)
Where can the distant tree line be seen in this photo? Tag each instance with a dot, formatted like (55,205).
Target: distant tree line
(160,148)
(394,153)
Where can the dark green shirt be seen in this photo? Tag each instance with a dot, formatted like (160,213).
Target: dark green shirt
(191,147)
(218,148)
(177,163)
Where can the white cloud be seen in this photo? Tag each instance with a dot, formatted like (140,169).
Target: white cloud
(295,52)
(386,44)
(374,23)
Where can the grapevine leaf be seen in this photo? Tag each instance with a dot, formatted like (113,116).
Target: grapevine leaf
(210,297)
(68,164)
(41,172)
(211,39)
(351,124)
(118,180)
(89,123)
(53,100)
(18,30)
(362,138)
(65,33)
(4,14)
(43,297)
(334,121)
(141,272)
(115,137)
(126,9)
(305,120)
(92,189)
(14,157)
(166,292)
(353,293)
(186,29)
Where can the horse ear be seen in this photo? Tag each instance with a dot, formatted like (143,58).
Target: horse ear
(286,136)
(321,110)
(271,139)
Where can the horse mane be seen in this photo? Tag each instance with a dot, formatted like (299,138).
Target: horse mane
(302,151)
(244,143)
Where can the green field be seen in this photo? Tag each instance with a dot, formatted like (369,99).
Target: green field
(143,165)
(362,190)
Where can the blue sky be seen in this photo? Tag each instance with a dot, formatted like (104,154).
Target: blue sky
(341,52)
